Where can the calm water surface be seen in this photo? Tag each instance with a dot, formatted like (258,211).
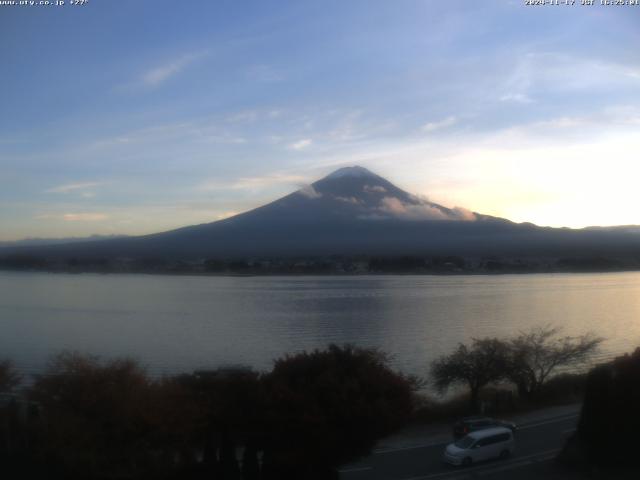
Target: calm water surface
(179,323)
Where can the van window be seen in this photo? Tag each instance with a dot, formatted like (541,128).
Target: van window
(502,437)
(480,424)
(490,440)
(464,442)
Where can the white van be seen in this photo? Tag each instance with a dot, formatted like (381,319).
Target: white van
(480,445)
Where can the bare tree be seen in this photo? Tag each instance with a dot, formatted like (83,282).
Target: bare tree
(483,362)
(535,355)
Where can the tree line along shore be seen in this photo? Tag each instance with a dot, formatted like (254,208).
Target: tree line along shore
(329,265)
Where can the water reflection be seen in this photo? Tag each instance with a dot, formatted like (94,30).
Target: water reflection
(180,323)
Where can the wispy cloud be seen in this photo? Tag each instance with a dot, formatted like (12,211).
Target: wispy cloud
(160,74)
(374,189)
(72,187)
(223,215)
(75,217)
(301,144)
(537,72)
(351,200)
(421,211)
(246,116)
(255,183)
(309,192)
(516,97)
(265,73)
(84,217)
(444,123)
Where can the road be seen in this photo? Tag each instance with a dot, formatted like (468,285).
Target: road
(536,443)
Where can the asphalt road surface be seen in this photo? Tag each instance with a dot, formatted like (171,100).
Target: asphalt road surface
(536,443)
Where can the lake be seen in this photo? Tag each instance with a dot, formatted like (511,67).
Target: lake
(180,323)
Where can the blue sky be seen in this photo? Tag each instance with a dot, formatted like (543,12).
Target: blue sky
(135,117)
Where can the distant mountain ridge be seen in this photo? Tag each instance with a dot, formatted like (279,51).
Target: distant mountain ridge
(353,211)
(35,241)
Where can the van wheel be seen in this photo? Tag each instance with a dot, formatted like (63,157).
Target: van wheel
(505,454)
(466,462)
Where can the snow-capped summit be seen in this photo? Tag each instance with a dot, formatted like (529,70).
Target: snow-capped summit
(355,171)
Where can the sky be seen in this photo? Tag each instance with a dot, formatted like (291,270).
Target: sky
(122,117)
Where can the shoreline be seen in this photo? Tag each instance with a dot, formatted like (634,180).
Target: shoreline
(196,273)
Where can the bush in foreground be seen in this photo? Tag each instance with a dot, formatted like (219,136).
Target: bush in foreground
(330,406)
(311,413)
(610,419)
(105,419)
(9,377)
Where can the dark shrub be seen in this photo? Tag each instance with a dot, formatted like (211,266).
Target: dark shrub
(610,418)
(329,406)
(9,377)
(98,417)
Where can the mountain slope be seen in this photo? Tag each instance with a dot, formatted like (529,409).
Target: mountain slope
(356,212)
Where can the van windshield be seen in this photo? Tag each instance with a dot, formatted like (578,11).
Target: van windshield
(464,442)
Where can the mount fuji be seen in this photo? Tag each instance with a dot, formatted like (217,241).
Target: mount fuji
(353,211)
